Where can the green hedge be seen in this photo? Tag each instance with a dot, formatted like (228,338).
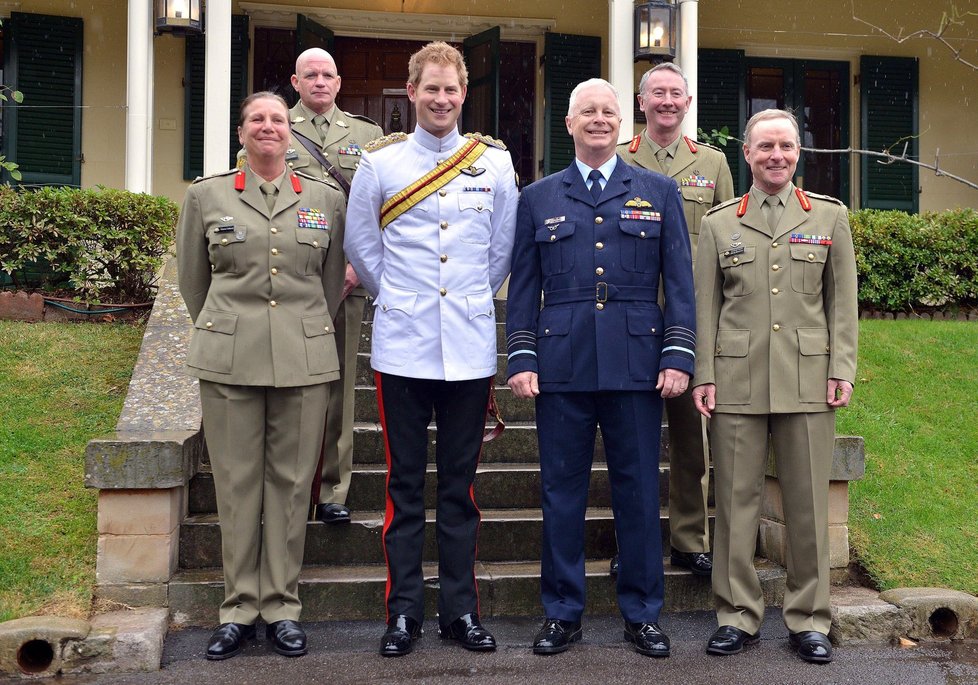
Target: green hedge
(910,261)
(102,244)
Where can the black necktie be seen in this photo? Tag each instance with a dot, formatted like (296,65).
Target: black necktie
(595,178)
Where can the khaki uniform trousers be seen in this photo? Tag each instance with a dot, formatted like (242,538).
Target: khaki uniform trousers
(263,444)
(803,444)
(689,476)
(337,465)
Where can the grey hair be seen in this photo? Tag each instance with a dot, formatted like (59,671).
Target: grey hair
(768,115)
(587,84)
(665,66)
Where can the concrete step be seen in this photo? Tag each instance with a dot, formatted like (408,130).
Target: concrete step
(497,486)
(505,589)
(504,535)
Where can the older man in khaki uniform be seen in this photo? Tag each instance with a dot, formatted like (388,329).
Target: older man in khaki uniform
(319,126)
(775,356)
(704,181)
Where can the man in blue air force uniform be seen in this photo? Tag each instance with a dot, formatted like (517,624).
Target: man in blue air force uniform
(595,239)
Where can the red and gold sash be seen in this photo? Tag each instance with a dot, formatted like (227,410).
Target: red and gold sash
(438,177)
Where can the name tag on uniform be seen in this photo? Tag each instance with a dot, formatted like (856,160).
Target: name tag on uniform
(733,250)
(554,220)
(312,218)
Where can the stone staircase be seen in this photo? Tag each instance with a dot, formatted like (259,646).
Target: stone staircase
(344,575)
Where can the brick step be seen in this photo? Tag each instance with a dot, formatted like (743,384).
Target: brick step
(504,535)
(334,593)
(497,486)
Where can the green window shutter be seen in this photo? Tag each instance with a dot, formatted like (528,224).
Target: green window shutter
(193,141)
(44,61)
(721,101)
(569,60)
(889,96)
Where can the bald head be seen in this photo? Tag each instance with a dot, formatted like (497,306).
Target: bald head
(316,80)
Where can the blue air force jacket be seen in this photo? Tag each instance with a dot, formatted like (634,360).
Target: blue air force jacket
(598,267)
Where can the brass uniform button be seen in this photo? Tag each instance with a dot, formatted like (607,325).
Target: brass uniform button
(776,327)
(599,246)
(775,267)
(735,260)
(274,250)
(546,331)
(828,348)
(272,303)
(641,234)
(479,206)
(653,330)
(443,292)
(553,238)
(326,328)
(442,192)
(598,220)
(315,243)
(209,324)
(273,230)
(775,244)
(443,224)
(811,257)
(774,291)
(718,350)
(599,271)
(443,258)
(224,241)
(599,305)
(274,271)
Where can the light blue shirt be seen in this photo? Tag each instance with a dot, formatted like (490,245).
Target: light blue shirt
(606,169)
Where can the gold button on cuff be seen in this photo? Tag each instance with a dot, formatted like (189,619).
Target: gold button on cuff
(272,303)
(274,271)
(811,257)
(443,258)
(224,241)
(776,327)
(599,305)
(274,250)
(598,220)
(599,246)
(775,267)
(735,260)
(443,292)
(774,291)
(443,224)
(209,324)
(599,271)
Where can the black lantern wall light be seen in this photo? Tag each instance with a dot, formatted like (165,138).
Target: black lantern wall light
(655,30)
(177,16)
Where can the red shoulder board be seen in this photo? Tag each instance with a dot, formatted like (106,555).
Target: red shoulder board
(296,186)
(636,141)
(239,180)
(806,204)
(742,208)
(690,144)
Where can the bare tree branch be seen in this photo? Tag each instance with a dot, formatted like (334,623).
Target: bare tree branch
(887,157)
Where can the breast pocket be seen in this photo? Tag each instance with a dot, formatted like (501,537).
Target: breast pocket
(475,213)
(738,271)
(696,202)
(212,348)
(640,244)
(311,244)
(807,265)
(644,342)
(412,226)
(225,248)
(732,367)
(555,354)
(556,247)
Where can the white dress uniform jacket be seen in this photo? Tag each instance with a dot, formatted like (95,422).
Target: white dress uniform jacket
(434,269)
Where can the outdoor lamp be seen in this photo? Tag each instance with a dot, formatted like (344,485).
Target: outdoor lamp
(655,30)
(178,16)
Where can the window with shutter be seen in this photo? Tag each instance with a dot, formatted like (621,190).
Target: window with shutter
(193,148)
(569,59)
(889,95)
(43,60)
(721,102)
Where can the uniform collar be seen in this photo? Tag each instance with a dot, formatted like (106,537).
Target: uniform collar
(783,195)
(606,169)
(309,114)
(672,148)
(434,143)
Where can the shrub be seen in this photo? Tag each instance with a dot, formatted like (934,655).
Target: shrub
(105,245)
(909,261)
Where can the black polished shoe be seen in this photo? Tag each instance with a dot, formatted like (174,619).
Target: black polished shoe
(614,566)
(648,638)
(287,636)
(728,640)
(556,636)
(812,646)
(469,632)
(400,635)
(228,640)
(331,512)
(699,563)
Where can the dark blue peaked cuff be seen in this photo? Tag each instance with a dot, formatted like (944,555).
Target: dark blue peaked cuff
(521,352)
(678,347)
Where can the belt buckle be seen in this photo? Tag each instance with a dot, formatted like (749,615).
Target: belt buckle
(601,292)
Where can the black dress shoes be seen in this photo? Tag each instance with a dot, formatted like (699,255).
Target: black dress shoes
(556,636)
(699,563)
(287,636)
(648,638)
(228,640)
(331,512)
(400,635)
(469,632)
(729,640)
(614,566)
(812,646)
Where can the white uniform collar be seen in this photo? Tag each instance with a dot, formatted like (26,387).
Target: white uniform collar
(435,144)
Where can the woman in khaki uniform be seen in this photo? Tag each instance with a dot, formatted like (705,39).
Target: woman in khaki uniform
(261,268)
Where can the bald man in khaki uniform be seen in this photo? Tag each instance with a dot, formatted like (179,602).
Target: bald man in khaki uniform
(775,357)
(704,181)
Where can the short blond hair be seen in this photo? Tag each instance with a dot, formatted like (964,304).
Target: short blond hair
(768,115)
(440,53)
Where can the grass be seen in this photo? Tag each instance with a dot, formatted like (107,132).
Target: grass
(61,385)
(914,516)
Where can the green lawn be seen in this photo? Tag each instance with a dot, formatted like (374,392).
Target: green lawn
(61,385)
(914,516)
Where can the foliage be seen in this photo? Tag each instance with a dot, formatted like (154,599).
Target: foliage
(906,261)
(715,137)
(62,385)
(17,97)
(107,244)
(913,518)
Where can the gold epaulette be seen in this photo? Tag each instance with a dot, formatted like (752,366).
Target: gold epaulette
(488,140)
(219,173)
(384,141)
(728,203)
(828,198)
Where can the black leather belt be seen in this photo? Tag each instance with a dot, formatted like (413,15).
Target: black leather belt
(601,292)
